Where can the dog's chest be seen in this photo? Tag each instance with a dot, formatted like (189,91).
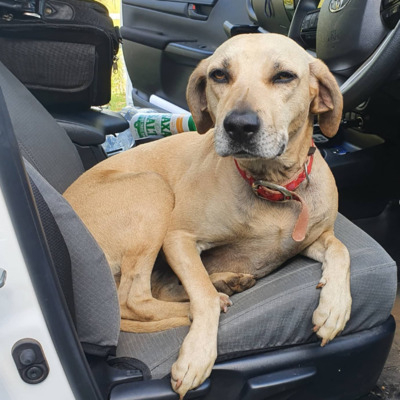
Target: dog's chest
(256,244)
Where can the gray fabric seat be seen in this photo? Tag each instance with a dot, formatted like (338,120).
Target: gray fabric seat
(276,312)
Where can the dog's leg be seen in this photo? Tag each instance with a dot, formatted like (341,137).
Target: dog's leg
(199,349)
(178,293)
(334,307)
(172,291)
(167,286)
(136,210)
(142,228)
(134,291)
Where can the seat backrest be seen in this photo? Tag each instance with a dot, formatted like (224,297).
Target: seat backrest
(42,141)
(52,163)
(96,307)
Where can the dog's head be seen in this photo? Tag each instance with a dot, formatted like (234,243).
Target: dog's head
(258,91)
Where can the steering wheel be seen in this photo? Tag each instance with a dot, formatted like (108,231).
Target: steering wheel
(357,39)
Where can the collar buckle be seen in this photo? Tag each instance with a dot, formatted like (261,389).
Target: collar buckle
(306,165)
(286,194)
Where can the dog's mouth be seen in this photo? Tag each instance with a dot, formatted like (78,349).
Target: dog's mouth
(240,152)
(244,154)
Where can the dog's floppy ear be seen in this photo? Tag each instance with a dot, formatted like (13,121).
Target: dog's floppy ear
(327,101)
(196,98)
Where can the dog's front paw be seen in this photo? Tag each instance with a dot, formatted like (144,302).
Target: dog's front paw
(193,366)
(333,311)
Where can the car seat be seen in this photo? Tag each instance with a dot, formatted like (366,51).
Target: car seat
(266,347)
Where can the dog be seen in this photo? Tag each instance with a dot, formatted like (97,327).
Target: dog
(226,206)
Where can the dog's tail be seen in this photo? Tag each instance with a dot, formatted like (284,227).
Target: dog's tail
(128,325)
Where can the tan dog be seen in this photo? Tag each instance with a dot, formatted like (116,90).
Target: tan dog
(256,97)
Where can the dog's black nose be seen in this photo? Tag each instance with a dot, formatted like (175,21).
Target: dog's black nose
(240,125)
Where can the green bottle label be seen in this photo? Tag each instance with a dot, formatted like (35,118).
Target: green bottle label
(191,124)
(165,125)
(139,126)
(161,124)
(151,125)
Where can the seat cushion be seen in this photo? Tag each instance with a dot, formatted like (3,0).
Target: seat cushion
(278,310)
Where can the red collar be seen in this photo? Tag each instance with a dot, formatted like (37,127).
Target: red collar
(273,192)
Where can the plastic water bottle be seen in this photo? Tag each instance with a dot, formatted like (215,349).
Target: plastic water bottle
(149,124)
(145,122)
(122,141)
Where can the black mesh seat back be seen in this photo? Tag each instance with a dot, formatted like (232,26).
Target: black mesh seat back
(42,141)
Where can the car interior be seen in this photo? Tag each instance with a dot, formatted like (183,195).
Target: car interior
(266,347)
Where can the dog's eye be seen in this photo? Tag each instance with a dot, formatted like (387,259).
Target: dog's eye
(284,77)
(220,76)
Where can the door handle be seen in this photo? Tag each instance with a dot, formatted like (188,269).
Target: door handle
(195,13)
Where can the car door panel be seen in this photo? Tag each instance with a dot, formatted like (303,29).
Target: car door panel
(168,7)
(162,45)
